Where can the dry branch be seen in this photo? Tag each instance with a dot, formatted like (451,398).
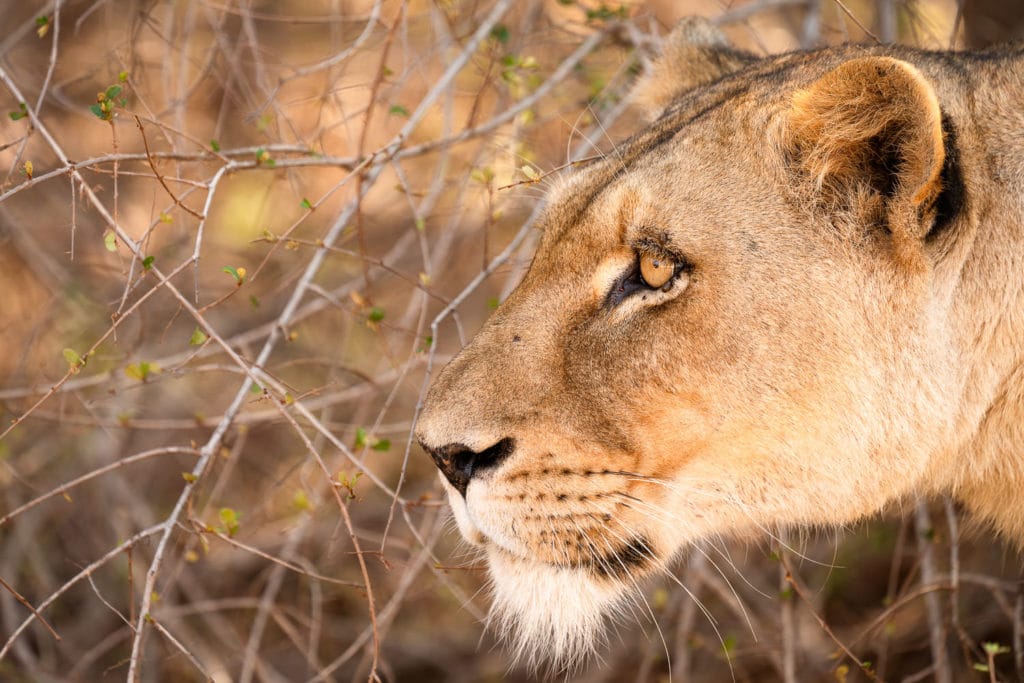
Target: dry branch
(304,197)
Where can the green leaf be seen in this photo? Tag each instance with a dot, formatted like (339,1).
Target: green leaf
(20,114)
(141,370)
(254,301)
(42,20)
(123,77)
(349,483)
(360,437)
(381,445)
(214,145)
(500,33)
(98,111)
(398,110)
(147,263)
(255,389)
(237,273)
(493,302)
(605,12)
(198,337)
(981,667)
(73,359)
(113,91)
(110,240)
(229,518)
(482,175)
(306,204)
(263,156)
(376,314)
(301,501)
(189,477)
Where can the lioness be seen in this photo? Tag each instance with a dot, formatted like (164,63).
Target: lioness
(795,297)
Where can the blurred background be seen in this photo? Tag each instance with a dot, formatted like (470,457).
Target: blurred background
(237,237)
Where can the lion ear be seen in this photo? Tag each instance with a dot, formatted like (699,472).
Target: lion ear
(870,132)
(695,53)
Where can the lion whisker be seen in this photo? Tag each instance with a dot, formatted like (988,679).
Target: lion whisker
(666,571)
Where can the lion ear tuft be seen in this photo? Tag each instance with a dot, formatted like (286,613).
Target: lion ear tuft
(871,126)
(695,53)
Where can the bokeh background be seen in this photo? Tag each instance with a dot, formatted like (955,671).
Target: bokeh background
(237,237)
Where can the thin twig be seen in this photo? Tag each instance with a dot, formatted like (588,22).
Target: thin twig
(67,486)
(936,624)
(795,585)
(20,598)
(540,177)
(854,19)
(1018,629)
(152,165)
(70,583)
(787,620)
(201,528)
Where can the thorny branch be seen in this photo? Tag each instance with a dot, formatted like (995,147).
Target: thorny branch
(290,131)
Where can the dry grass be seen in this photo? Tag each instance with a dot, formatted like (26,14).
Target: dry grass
(221,308)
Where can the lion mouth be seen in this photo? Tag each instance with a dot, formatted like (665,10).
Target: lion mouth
(622,563)
(633,557)
(599,551)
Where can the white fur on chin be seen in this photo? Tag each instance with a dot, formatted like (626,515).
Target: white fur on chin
(550,616)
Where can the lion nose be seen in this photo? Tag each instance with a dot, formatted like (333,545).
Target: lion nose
(459,463)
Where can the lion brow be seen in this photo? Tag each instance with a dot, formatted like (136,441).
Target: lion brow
(636,148)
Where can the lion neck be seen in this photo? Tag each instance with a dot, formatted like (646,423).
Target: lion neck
(985,467)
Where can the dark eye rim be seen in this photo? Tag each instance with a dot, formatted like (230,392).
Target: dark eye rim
(631,282)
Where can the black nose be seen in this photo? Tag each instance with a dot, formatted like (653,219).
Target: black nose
(459,463)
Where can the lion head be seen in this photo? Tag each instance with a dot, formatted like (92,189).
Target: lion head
(741,319)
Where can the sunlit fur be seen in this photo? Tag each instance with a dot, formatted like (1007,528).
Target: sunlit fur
(548,615)
(843,332)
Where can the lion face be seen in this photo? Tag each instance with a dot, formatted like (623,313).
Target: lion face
(697,350)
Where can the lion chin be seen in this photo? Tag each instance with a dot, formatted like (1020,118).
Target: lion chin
(550,617)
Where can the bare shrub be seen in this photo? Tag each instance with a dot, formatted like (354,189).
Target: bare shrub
(236,239)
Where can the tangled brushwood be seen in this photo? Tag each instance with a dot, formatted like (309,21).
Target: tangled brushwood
(240,240)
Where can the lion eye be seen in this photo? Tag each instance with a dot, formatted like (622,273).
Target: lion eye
(656,271)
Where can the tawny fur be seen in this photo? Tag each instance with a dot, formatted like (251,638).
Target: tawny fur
(847,332)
